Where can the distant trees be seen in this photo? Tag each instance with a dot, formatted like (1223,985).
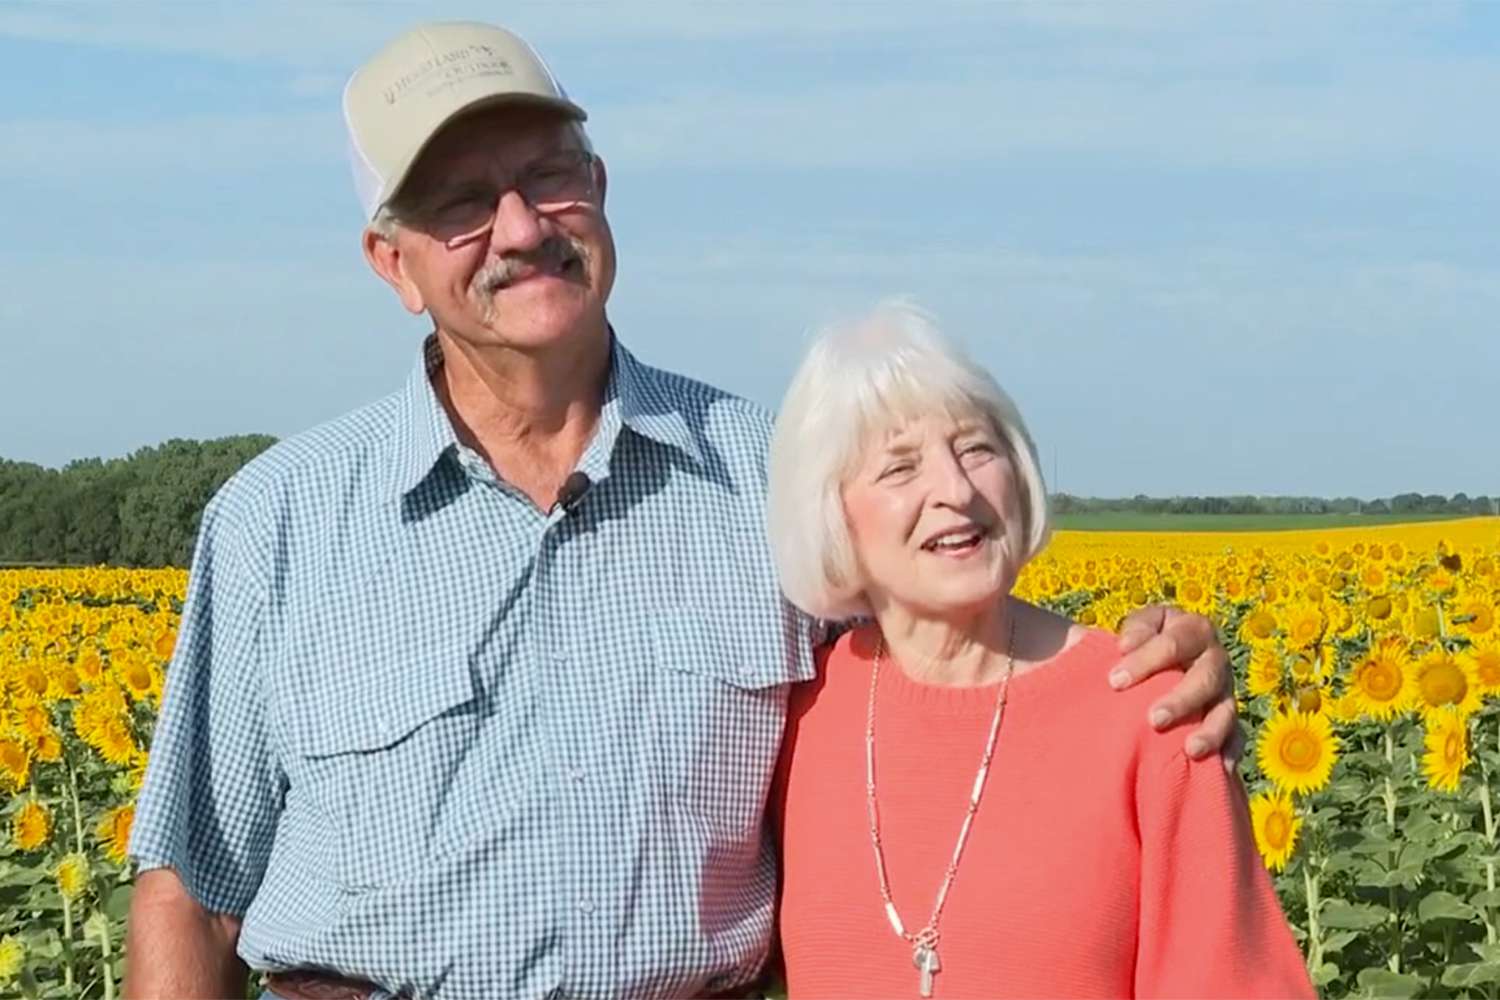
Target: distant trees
(1405,503)
(142,510)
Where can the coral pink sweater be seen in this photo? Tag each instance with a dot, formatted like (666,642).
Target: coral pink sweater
(1102,862)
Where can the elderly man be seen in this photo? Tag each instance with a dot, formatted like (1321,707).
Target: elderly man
(479,688)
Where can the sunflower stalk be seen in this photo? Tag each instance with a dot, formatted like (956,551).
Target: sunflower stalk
(77,808)
(1390,818)
(1310,882)
(106,953)
(67,943)
(1489,836)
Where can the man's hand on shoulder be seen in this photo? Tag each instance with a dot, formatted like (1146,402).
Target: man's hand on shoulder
(1158,638)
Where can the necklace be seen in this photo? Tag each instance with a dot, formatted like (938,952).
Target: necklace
(925,941)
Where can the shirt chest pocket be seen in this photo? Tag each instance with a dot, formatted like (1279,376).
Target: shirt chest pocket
(386,768)
(721,690)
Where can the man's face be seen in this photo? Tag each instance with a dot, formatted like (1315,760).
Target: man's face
(492,267)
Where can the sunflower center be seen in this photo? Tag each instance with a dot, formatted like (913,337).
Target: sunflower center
(1484,619)
(1489,668)
(1453,749)
(1262,625)
(1309,700)
(1379,608)
(1278,831)
(1380,681)
(1300,751)
(1444,684)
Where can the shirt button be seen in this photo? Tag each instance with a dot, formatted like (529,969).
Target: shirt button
(586,905)
(575,774)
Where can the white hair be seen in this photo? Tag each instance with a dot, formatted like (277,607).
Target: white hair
(862,378)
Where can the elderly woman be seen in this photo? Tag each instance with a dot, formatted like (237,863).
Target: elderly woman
(942,833)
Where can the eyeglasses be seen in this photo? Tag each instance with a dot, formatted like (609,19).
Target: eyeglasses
(466,212)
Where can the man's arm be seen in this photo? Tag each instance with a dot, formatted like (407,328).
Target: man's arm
(1161,638)
(175,947)
(206,817)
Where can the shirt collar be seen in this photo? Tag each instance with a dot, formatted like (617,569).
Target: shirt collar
(633,396)
(423,431)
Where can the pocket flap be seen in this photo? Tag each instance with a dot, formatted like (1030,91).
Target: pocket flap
(350,711)
(745,653)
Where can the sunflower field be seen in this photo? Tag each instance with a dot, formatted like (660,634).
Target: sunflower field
(1367,662)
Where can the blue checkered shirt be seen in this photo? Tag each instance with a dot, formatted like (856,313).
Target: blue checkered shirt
(419,732)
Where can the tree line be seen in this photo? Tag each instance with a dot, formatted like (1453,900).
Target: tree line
(1459,504)
(143,509)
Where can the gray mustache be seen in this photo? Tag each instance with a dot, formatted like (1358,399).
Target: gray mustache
(555,251)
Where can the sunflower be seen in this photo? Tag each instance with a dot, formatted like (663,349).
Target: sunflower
(1441,579)
(114,831)
(66,684)
(1424,622)
(1193,595)
(1276,826)
(1304,624)
(1258,626)
(72,875)
(15,763)
(137,676)
(1447,742)
(31,680)
(12,957)
(1298,750)
(1379,610)
(1310,697)
(1382,681)
(90,667)
(48,748)
(115,742)
(1264,675)
(31,826)
(1487,667)
(1475,614)
(1443,679)
(1344,708)
(163,645)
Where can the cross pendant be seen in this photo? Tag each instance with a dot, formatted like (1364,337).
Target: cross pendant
(926,961)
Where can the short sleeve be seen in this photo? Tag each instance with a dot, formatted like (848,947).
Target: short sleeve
(212,793)
(1210,922)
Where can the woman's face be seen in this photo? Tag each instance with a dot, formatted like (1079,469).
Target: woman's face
(935,516)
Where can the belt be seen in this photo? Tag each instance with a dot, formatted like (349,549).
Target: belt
(308,985)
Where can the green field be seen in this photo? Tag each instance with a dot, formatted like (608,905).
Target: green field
(1127,521)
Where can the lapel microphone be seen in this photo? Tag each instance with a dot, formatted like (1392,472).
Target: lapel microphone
(570,493)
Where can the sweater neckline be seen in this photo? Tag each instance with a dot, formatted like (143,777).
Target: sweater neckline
(897,688)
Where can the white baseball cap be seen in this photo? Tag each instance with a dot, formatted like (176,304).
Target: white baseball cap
(397,101)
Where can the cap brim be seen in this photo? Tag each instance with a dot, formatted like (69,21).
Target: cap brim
(398,177)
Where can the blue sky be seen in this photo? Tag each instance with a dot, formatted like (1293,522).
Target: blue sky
(1211,248)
